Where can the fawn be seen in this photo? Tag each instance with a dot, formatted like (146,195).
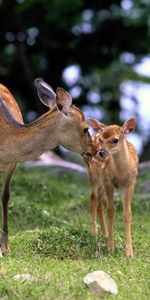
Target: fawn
(114,166)
(63,124)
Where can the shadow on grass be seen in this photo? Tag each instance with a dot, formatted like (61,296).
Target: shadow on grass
(69,243)
(39,198)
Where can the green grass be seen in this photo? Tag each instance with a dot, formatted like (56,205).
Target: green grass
(50,222)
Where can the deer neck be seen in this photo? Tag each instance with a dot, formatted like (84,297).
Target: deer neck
(39,136)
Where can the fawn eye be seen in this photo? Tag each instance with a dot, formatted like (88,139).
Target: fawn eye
(115,141)
(85,130)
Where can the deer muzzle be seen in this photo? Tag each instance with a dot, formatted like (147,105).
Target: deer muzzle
(103,153)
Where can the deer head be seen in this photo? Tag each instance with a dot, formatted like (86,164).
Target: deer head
(72,130)
(63,124)
(110,139)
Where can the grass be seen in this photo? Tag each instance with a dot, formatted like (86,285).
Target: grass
(49,221)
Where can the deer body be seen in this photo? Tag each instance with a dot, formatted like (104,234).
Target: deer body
(118,170)
(63,124)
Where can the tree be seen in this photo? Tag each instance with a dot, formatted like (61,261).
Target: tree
(40,38)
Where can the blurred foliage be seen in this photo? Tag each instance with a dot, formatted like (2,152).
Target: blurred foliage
(40,38)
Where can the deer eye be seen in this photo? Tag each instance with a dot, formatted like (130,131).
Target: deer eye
(115,141)
(85,130)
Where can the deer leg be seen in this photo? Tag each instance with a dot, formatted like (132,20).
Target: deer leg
(5,199)
(111,215)
(93,205)
(127,214)
(101,215)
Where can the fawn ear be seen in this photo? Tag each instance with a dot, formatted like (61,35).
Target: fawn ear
(63,100)
(129,125)
(45,93)
(96,125)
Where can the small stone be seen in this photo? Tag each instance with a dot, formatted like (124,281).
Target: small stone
(24,277)
(100,282)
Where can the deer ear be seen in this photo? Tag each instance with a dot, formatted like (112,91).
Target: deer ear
(6,117)
(63,100)
(45,93)
(96,125)
(129,125)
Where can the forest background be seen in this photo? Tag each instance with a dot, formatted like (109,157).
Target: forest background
(96,50)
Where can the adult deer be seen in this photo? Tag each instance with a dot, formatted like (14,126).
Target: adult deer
(63,124)
(114,166)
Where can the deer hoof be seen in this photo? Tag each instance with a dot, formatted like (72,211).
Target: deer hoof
(94,230)
(5,248)
(110,246)
(129,252)
(105,233)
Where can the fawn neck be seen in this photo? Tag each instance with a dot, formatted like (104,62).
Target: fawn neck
(121,158)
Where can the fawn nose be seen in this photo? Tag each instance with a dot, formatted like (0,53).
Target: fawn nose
(88,154)
(102,153)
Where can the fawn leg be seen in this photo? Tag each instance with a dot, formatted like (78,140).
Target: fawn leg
(100,211)
(5,199)
(111,215)
(93,205)
(127,198)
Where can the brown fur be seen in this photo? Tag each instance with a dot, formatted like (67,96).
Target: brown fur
(19,142)
(117,170)
(11,103)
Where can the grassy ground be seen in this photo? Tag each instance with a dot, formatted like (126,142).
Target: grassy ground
(49,220)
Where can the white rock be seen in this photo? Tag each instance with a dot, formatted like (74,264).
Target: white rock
(24,277)
(100,282)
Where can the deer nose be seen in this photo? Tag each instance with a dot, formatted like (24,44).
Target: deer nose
(86,154)
(102,153)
